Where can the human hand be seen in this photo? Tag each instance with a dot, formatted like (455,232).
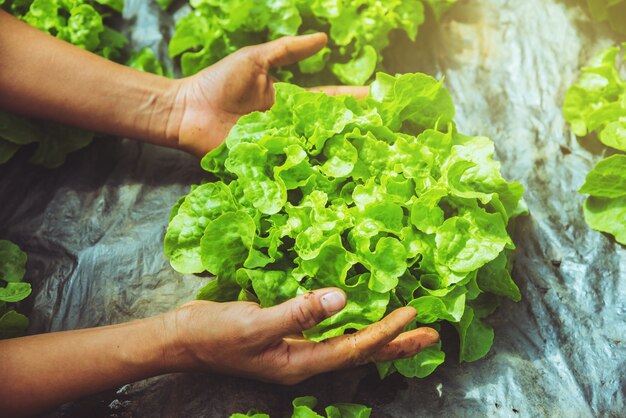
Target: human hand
(243,339)
(208,104)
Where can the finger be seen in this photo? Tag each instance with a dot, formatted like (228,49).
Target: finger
(407,344)
(360,92)
(301,313)
(289,49)
(353,349)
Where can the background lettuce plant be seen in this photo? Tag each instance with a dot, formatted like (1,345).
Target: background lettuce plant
(611,11)
(12,289)
(304,407)
(358,32)
(597,103)
(82,23)
(381,197)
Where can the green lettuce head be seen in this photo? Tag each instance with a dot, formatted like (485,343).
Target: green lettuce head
(381,197)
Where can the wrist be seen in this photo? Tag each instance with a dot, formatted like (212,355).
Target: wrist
(163,111)
(176,355)
(168,114)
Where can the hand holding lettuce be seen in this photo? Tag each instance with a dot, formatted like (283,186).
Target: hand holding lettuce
(380,197)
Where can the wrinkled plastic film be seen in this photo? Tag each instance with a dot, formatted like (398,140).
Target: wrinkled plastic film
(93,230)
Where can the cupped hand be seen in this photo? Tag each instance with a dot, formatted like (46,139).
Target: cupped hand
(243,339)
(208,104)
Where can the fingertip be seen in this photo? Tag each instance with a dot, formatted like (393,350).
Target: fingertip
(360,92)
(430,336)
(413,310)
(317,36)
(332,299)
(408,313)
(408,344)
(291,49)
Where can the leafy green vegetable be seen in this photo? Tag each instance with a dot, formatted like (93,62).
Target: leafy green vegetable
(12,324)
(304,406)
(80,22)
(608,178)
(597,102)
(54,141)
(7,150)
(607,215)
(611,11)
(381,197)
(12,289)
(439,7)
(358,32)
(164,4)
(145,60)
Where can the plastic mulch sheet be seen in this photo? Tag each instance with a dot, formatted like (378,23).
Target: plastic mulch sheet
(93,231)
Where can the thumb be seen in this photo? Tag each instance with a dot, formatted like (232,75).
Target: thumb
(289,49)
(303,312)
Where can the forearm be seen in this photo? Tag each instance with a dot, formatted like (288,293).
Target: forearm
(45,77)
(41,371)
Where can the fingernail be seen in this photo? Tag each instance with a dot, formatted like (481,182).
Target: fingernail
(333,302)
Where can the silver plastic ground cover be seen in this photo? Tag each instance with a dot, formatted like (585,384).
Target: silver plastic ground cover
(94,228)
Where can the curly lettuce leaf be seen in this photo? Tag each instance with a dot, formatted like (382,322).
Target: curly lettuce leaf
(57,142)
(79,22)
(186,229)
(607,215)
(598,97)
(117,5)
(14,292)
(607,179)
(495,278)
(304,407)
(597,102)
(422,364)
(414,99)
(12,324)
(12,289)
(145,60)
(12,262)
(476,337)
(18,130)
(227,241)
